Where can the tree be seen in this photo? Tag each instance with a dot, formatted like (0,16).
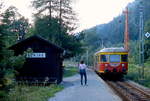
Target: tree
(67,16)
(147,41)
(59,9)
(1,34)
(43,6)
(8,62)
(15,24)
(57,24)
(21,27)
(67,41)
(112,33)
(43,28)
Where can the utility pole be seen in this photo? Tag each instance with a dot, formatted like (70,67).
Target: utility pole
(141,38)
(87,56)
(126,33)
(101,43)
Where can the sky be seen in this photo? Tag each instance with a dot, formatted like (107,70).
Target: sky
(89,12)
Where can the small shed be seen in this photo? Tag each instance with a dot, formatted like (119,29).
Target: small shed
(44,63)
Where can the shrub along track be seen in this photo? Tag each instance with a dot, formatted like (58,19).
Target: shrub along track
(129,91)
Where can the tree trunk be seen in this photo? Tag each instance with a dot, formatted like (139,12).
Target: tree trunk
(50,9)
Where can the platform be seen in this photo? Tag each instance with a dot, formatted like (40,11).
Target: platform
(96,90)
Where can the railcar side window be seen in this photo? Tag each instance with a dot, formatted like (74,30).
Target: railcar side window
(96,58)
(124,58)
(103,58)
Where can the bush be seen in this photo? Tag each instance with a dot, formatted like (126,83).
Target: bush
(8,66)
(2,93)
(135,74)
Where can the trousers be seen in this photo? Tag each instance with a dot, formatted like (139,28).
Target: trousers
(83,74)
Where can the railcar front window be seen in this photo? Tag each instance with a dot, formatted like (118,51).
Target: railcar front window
(114,58)
(103,58)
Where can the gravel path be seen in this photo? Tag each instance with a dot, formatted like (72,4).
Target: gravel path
(96,90)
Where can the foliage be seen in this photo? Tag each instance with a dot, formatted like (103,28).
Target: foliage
(8,65)
(8,36)
(115,28)
(134,52)
(147,41)
(21,27)
(47,31)
(112,34)
(135,74)
(15,25)
(32,93)
(60,9)
(70,71)
(147,26)
(70,67)
(57,25)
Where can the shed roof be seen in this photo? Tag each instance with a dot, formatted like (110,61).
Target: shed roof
(34,37)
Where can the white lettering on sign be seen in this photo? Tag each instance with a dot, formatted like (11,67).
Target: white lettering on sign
(36,55)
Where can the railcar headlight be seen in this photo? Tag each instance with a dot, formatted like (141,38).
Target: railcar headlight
(106,65)
(123,65)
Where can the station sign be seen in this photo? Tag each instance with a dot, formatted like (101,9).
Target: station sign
(36,55)
(147,35)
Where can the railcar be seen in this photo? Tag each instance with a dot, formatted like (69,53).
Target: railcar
(111,61)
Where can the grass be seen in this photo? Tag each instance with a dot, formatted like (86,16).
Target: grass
(70,71)
(25,92)
(135,73)
(70,68)
(32,93)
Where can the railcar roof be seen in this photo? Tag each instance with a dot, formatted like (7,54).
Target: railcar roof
(114,49)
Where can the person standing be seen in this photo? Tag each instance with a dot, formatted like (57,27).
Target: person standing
(82,70)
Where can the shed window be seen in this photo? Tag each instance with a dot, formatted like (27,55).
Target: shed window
(103,58)
(124,58)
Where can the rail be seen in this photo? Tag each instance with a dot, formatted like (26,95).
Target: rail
(129,92)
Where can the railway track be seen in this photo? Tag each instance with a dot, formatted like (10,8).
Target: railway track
(128,91)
